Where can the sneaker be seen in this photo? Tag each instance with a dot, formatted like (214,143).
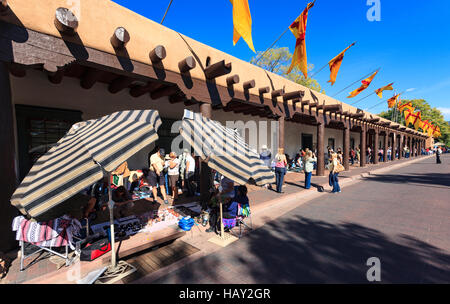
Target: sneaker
(209,230)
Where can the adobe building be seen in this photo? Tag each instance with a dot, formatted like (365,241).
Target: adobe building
(62,64)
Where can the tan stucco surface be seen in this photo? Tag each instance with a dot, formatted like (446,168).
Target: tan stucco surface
(99,18)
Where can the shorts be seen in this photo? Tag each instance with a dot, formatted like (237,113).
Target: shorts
(153,179)
(173,179)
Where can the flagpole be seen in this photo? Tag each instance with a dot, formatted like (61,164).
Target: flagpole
(330,61)
(170,3)
(362,98)
(365,76)
(383,101)
(275,41)
(262,55)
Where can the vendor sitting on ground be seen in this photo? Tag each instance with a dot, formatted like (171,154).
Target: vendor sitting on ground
(123,201)
(225,194)
(98,193)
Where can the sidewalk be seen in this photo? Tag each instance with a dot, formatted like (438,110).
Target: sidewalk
(266,205)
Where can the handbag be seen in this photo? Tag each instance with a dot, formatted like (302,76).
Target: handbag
(95,250)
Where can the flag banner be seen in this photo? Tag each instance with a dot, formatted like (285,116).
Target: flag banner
(298,28)
(385,88)
(242,22)
(335,64)
(436,131)
(365,84)
(391,101)
(401,107)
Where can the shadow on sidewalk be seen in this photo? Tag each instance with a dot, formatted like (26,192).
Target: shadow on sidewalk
(301,250)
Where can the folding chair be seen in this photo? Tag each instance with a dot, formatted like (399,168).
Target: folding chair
(243,220)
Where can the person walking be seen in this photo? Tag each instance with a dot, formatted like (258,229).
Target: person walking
(265,156)
(438,155)
(182,164)
(389,153)
(156,175)
(280,169)
(190,172)
(335,167)
(309,160)
(174,174)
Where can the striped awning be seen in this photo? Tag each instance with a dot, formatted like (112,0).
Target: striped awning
(79,158)
(224,150)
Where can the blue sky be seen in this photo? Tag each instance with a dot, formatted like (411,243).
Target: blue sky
(411,43)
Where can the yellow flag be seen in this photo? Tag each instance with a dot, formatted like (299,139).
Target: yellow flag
(242,22)
(385,88)
(298,28)
(402,107)
(409,118)
(365,84)
(335,64)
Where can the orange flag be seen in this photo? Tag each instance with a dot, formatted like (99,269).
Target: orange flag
(335,64)
(365,84)
(417,120)
(242,22)
(298,28)
(426,126)
(385,88)
(391,101)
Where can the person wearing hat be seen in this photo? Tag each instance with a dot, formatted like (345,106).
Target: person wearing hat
(156,175)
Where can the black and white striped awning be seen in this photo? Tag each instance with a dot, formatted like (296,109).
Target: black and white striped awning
(79,158)
(224,149)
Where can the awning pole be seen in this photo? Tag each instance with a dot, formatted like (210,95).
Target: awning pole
(111,221)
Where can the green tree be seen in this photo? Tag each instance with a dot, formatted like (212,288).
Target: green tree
(433,115)
(278,60)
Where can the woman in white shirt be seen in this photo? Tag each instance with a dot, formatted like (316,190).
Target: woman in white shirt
(174,173)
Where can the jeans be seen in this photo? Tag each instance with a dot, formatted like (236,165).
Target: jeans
(389,157)
(308,180)
(279,174)
(352,160)
(335,180)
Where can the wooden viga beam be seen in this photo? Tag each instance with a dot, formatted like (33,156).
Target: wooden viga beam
(357,115)
(65,21)
(187,64)
(217,69)
(277,93)
(164,91)
(158,54)
(293,95)
(395,127)
(332,108)
(120,38)
(138,91)
(119,84)
(231,80)
(89,78)
(249,84)
(385,124)
(374,120)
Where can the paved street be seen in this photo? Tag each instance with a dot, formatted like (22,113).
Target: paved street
(401,216)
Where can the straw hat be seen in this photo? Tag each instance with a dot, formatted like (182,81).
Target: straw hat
(264,147)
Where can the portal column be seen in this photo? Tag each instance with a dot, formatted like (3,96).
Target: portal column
(386,144)
(205,171)
(362,161)
(375,147)
(281,133)
(346,151)
(394,146)
(8,178)
(320,150)
(400,149)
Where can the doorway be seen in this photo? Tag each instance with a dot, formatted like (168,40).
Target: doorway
(307,141)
